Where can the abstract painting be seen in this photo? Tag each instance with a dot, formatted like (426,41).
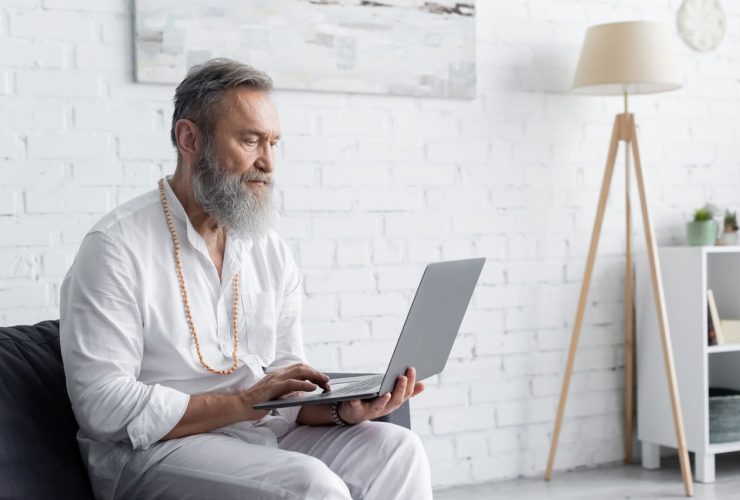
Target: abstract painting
(397,47)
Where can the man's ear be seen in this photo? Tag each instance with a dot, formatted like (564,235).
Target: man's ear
(189,140)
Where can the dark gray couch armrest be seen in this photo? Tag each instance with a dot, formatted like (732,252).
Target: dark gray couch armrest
(401,416)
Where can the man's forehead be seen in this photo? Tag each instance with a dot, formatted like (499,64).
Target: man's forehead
(250,100)
(249,107)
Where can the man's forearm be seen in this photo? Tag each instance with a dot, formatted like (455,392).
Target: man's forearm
(206,412)
(314,415)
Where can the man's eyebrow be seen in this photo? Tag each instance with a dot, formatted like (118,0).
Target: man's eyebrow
(260,133)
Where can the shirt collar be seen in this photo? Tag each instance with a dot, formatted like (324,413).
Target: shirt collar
(178,211)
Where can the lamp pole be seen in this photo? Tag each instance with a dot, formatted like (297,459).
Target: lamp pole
(629,349)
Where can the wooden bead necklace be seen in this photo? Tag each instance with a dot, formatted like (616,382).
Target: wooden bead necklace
(186,303)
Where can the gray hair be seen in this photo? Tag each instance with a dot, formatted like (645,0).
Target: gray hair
(198,97)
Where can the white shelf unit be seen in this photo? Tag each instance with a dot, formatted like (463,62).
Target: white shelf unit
(687,274)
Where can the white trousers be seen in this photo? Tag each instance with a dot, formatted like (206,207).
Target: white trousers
(368,461)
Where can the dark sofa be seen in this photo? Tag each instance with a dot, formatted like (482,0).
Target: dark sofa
(39,457)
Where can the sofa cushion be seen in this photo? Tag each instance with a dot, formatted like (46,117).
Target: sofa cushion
(39,457)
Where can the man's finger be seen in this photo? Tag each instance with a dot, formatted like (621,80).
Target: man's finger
(305,372)
(411,384)
(399,392)
(380,404)
(295,385)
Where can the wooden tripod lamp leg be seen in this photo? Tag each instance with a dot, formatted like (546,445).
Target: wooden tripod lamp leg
(629,334)
(606,183)
(665,336)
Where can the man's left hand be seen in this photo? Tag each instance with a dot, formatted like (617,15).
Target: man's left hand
(356,411)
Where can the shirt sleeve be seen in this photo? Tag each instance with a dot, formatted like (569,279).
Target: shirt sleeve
(101,336)
(289,343)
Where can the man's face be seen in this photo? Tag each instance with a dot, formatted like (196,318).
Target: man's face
(233,178)
(245,136)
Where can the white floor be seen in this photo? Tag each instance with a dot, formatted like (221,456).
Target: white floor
(609,483)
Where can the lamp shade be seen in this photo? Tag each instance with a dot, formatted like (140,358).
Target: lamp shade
(632,57)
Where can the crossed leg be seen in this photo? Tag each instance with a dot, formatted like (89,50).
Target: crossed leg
(367,461)
(375,460)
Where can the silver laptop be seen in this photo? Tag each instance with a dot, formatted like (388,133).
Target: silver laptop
(425,342)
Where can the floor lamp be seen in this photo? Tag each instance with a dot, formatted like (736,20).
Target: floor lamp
(622,59)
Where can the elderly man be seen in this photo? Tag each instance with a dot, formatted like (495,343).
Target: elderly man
(182,311)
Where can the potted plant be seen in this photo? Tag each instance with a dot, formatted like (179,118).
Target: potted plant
(729,237)
(702,231)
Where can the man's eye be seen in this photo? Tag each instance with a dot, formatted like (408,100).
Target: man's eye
(274,144)
(251,142)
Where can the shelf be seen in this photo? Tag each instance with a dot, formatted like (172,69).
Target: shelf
(687,273)
(723,348)
(722,249)
(705,250)
(724,447)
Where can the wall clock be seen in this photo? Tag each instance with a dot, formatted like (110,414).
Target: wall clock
(701,24)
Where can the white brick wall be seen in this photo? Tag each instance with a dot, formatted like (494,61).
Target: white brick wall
(372,188)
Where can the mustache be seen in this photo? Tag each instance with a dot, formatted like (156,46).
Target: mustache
(257,176)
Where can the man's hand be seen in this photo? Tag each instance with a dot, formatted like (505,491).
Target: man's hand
(356,411)
(279,382)
(206,412)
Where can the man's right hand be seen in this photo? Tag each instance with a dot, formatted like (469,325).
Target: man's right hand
(209,411)
(279,382)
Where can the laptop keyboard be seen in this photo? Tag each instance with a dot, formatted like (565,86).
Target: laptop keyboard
(372,384)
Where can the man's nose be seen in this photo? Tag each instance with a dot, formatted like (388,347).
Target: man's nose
(266,159)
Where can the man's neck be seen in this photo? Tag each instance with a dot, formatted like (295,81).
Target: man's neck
(202,222)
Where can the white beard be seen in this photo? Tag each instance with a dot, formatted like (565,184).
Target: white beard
(226,197)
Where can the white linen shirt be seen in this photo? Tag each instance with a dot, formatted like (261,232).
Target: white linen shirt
(129,358)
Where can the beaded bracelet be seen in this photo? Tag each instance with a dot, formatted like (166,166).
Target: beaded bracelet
(335,417)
